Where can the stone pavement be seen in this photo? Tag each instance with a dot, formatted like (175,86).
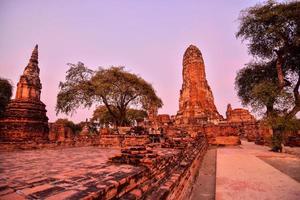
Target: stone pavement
(241,174)
(71,173)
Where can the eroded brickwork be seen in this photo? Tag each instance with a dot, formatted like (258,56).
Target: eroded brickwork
(196,102)
(238,115)
(170,172)
(25,117)
(60,133)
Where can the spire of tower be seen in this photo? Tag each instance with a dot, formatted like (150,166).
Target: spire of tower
(34,55)
(32,68)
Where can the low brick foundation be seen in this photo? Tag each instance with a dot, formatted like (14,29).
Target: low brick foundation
(123,140)
(166,176)
(114,141)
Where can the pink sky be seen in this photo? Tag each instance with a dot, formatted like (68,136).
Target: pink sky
(148,37)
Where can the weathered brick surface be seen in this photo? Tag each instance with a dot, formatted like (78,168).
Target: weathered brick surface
(69,173)
(25,116)
(196,102)
(123,140)
(170,172)
(238,115)
(84,173)
(60,133)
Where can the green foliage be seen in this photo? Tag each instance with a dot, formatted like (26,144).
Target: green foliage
(251,75)
(76,90)
(280,126)
(5,94)
(283,124)
(270,27)
(114,88)
(270,95)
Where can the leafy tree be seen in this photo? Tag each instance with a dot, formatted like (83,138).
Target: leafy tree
(114,88)
(102,115)
(257,86)
(272,81)
(273,34)
(5,94)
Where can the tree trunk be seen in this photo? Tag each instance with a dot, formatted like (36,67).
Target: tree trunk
(277,140)
(122,116)
(270,110)
(279,70)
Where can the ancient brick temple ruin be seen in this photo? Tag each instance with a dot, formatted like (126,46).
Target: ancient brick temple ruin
(25,116)
(238,115)
(196,102)
(159,160)
(197,112)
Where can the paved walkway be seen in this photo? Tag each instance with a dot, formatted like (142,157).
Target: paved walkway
(241,174)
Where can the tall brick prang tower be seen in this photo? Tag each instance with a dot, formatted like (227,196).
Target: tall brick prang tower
(25,117)
(196,102)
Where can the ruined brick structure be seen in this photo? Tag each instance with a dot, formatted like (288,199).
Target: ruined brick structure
(59,132)
(238,115)
(164,119)
(167,173)
(152,113)
(145,168)
(85,131)
(196,102)
(25,117)
(197,112)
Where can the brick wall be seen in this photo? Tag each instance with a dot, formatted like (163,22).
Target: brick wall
(167,176)
(122,140)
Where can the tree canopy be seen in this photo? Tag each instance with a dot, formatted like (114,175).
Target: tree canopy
(115,88)
(5,94)
(271,81)
(257,86)
(271,28)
